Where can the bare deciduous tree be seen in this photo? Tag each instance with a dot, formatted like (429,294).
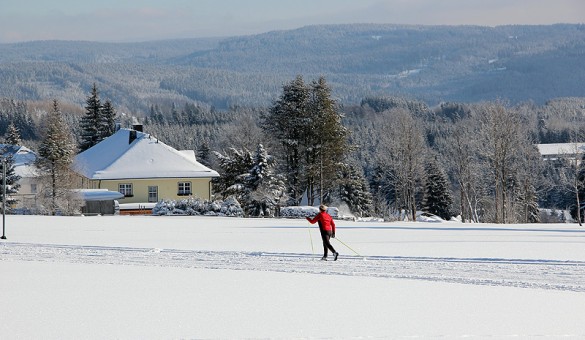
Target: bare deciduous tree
(504,149)
(405,148)
(459,146)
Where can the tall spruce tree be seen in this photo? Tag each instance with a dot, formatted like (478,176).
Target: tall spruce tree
(99,121)
(92,121)
(307,125)
(108,121)
(288,122)
(55,157)
(328,145)
(438,198)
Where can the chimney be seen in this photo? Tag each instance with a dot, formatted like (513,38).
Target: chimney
(137,127)
(132,136)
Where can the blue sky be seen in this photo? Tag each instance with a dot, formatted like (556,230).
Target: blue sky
(140,20)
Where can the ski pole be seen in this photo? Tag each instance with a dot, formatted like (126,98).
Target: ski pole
(311,237)
(347,246)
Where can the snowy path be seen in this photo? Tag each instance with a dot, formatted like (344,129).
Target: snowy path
(539,274)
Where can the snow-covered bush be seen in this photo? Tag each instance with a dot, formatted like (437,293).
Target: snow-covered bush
(308,211)
(195,206)
(298,212)
(231,207)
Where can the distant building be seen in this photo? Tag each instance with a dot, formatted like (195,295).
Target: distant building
(143,169)
(24,166)
(561,151)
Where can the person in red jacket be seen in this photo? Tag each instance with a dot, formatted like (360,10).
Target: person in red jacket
(327,229)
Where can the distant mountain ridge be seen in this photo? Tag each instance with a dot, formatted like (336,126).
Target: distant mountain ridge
(431,63)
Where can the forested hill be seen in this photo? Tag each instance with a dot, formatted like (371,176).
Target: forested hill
(431,63)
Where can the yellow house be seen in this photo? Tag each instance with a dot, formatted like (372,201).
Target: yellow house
(143,169)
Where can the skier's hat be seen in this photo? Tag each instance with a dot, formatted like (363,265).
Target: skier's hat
(323,207)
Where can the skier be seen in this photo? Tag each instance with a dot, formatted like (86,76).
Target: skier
(327,229)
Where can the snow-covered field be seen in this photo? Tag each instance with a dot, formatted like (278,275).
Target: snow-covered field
(185,277)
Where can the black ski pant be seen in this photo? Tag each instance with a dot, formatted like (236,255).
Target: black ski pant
(326,237)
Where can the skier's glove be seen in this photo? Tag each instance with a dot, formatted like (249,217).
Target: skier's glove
(333,235)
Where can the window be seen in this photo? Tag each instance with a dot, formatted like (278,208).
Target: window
(184,189)
(125,189)
(33,188)
(152,194)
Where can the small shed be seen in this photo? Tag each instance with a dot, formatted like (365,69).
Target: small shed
(99,201)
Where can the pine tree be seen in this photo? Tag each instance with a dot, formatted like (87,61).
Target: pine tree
(234,167)
(305,122)
(12,178)
(204,153)
(13,137)
(288,122)
(108,121)
(438,199)
(55,157)
(264,190)
(91,123)
(354,190)
(328,143)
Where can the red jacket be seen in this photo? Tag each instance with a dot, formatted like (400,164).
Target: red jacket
(325,221)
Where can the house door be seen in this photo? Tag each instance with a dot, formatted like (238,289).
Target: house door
(153,194)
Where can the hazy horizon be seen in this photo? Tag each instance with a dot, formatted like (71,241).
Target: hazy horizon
(145,20)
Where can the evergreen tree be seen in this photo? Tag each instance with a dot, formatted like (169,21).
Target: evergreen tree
(108,121)
(16,114)
(264,190)
(438,199)
(288,122)
(204,153)
(234,167)
(13,137)
(306,123)
(55,157)
(12,178)
(354,190)
(328,142)
(92,122)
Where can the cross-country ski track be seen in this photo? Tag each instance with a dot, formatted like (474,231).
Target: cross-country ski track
(536,274)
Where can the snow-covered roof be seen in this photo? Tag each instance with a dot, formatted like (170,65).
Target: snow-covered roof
(24,159)
(98,194)
(561,149)
(130,154)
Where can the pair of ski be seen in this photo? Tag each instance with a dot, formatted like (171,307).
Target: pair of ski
(335,255)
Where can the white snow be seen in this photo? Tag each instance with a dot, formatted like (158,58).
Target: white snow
(98,194)
(189,277)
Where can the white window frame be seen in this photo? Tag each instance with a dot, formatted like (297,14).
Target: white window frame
(184,189)
(152,193)
(126,189)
